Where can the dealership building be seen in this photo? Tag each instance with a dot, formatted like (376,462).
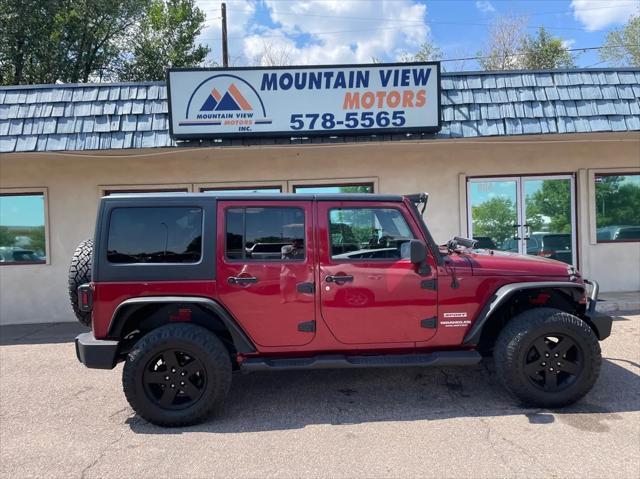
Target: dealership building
(539,162)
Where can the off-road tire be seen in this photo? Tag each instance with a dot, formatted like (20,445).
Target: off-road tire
(202,345)
(79,274)
(518,336)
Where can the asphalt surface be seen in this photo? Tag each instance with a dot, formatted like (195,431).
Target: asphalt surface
(59,419)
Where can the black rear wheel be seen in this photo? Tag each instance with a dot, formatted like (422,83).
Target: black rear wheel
(547,358)
(177,375)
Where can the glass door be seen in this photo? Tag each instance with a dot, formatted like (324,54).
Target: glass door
(528,214)
(493,213)
(548,210)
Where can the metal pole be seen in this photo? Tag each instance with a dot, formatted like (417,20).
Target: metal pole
(225,53)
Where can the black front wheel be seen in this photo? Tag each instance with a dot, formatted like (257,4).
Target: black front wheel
(547,358)
(177,375)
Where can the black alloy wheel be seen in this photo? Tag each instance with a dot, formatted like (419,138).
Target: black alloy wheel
(174,379)
(553,362)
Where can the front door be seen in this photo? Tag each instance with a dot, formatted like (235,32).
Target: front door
(526,214)
(369,290)
(265,269)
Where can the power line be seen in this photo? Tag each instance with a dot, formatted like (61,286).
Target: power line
(523,53)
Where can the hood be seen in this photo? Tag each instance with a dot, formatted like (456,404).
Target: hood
(496,263)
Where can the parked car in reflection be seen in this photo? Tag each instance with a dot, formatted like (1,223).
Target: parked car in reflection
(549,245)
(618,233)
(12,254)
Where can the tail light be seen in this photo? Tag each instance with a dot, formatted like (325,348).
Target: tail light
(546,253)
(85,298)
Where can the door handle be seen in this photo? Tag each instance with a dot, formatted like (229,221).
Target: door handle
(242,280)
(339,278)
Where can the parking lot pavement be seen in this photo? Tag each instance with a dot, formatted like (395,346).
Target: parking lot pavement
(58,419)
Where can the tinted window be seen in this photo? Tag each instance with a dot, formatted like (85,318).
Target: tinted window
(261,234)
(155,235)
(617,212)
(368,233)
(22,234)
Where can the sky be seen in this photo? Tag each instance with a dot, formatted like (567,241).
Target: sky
(357,31)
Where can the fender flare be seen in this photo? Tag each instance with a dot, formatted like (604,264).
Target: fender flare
(129,306)
(502,295)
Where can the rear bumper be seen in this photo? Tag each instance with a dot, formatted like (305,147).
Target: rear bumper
(600,322)
(96,353)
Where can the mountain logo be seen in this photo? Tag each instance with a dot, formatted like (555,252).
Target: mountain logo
(226,103)
(232,100)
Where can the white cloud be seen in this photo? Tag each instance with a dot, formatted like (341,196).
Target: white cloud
(485,6)
(321,31)
(597,14)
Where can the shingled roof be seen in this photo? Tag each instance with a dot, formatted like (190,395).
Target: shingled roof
(135,115)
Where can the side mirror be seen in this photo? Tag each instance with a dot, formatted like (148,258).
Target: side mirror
(417,251)
(418,256)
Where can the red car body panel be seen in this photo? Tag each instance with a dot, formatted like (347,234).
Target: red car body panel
(380,310)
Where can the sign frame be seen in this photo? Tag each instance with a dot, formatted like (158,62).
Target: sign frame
(308,133)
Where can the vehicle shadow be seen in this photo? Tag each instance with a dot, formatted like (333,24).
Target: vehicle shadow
(293,400)
(40,333)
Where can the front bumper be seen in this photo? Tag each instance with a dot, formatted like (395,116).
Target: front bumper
(96,353)
(600,322)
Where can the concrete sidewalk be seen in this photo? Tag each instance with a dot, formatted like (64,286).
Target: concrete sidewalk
(617,302)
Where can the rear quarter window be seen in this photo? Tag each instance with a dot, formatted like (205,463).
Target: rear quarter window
(155,235)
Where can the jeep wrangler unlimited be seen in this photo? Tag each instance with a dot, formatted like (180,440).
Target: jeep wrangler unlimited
(188,288)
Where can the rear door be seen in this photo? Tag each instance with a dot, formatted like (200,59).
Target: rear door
(370,291)
(265,269)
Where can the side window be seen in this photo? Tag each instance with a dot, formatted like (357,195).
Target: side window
(368,233)
(155,235)
(265,234)
(22,228)
(617,212)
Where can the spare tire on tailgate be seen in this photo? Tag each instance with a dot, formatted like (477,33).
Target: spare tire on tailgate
(79,274)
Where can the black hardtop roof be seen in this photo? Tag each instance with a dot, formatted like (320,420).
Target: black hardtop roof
(259,196)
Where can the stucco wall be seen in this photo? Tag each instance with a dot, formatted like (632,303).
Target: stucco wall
(74,181)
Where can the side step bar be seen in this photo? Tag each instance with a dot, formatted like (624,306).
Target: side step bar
(337,361)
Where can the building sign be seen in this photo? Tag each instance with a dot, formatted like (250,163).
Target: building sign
(302,101)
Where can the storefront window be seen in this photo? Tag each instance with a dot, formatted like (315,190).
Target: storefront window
(338,188)
(144,191)
(22,231)
(241,191)
(617,212)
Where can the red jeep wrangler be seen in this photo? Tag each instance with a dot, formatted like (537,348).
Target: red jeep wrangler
(187,288)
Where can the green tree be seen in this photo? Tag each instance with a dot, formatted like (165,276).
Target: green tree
(544,52)
(494,218)
(91,34)
(48,41)
(6,237)
(617,201)
(549,207)
(622,46)
(165,38)
(27,53)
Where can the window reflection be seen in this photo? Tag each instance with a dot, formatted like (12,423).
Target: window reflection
(22,228)
(617,212)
